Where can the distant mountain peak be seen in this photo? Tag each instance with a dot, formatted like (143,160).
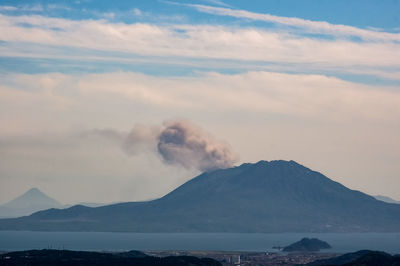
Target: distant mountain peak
(33,198)
(34,190)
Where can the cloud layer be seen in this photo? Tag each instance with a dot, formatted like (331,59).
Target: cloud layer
(321,27)
(43,37)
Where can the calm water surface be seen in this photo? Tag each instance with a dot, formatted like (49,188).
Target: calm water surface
(22,240)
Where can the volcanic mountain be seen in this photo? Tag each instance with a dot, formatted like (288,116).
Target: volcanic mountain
(31,201)
(275,196)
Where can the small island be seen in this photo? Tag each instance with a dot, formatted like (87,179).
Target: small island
(307,245)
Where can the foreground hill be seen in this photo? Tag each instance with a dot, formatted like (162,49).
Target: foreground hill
(83,258)
(361,258)
(276,196)
(31,201)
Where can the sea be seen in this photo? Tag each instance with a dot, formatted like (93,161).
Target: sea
(101,241)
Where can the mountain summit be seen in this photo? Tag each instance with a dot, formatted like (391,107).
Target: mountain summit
(31,201)
(275,196)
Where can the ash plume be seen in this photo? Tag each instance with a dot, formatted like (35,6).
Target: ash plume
(177,142)
(140,139)
(182,143)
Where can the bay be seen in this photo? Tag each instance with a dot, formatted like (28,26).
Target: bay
(103,241)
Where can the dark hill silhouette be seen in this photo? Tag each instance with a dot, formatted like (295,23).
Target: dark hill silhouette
(360,258)
(67,257)
(276,196)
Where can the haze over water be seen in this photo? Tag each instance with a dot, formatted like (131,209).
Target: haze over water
(97,241)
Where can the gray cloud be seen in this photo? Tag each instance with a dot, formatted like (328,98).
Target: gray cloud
(177,142)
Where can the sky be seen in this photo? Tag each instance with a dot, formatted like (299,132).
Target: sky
(92,93)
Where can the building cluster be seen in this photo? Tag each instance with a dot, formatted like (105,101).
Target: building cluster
(251,258)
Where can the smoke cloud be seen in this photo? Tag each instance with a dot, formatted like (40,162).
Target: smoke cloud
(177,142)
(140,139)
(182,143)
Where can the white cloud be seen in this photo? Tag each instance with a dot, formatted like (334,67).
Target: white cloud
(217,2)
(184,44)
(46,97)
(108,15)
(308,25)
(57,7)
(195,42)
(32,8)
(259,92)
(137,12)
(8,8)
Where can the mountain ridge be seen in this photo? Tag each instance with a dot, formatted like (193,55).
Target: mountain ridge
(275,196)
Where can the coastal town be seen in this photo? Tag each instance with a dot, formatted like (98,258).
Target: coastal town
(250,258)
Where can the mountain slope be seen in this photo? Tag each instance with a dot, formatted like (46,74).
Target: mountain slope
(276,196)
(31,201)
(386,199)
